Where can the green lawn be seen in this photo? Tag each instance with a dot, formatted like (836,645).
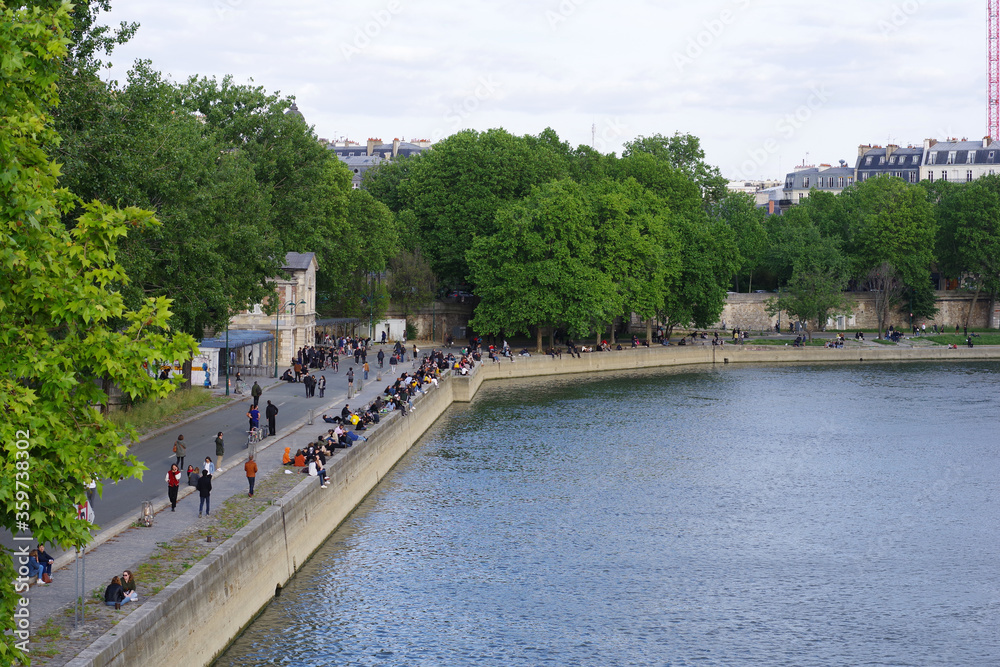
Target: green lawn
(992,338)
(774,341)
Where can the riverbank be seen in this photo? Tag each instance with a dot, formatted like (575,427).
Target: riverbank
(206,608)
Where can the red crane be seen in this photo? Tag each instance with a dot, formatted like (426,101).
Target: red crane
(993,69)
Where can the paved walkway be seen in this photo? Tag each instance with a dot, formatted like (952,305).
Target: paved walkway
(120,547)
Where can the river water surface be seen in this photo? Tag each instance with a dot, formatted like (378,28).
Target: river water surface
(794,515)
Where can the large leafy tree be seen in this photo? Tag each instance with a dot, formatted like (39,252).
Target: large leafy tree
(819,275)
(539,268)
(684,153)
(63,320)
(739,211)
(969,235)
(892,222)
(456,189)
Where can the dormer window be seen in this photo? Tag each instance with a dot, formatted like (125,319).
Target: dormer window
(868,161)
(971,157)
(916,159)
(951,156)
(805,182)
(881,160)
(892,160)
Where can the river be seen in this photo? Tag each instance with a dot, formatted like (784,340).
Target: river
(781,515)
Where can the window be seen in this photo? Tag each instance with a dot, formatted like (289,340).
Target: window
(840,182)
(991,172)
(991,155)
(881,159)
(968,176)
(951,156)
(933,158)
(789,183)
(913,177)
(916,159)
(898,174)
(868,161)
(971,157)
(944,175)
(850,181)
(930,176)
(805,182)
(892,160)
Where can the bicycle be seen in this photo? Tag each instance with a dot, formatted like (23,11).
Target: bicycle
(255,435)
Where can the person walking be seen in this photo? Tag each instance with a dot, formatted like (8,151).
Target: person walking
(256,391)
(205,492)
(180,449)
(173,480)
(251,467)
(254,416)
(366,370)
(350,381)
(271,411)
(321,383)
(219,451)
(381,358)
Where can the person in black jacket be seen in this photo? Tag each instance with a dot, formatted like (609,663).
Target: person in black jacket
(205,492)
(114,594)
(271,411)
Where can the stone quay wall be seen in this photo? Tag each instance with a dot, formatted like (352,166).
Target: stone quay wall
(748,311)
(205,609)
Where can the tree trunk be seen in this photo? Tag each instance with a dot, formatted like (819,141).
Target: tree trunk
(611,338)
(538,339)
(649,331)
(972,306)
(552,338)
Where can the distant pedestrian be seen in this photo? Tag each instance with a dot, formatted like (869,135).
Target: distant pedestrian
(251,467)
(392,363)
(366,370)
(180,449)
(271,411)
(256,391)
(205,492)
(350,379)
(219,451)
(321,383)
(253,415)
(44,559)
(208,465)
(173,480)
(381,358)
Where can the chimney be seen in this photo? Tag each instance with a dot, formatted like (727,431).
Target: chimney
(890,149)
(986,142)
(863,149)
(395,147)
(372,143)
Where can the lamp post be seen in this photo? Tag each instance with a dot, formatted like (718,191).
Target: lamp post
(227,357)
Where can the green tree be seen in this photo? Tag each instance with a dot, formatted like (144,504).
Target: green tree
(538,269)
(456,189)
(411,281)
(739,211)
(891,221)
(63,320)
(969,236)
(819,276)
(683,152)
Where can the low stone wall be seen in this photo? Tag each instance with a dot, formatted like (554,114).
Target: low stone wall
(206,608)
(748,311)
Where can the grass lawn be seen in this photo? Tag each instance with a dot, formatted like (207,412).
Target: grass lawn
(882,341)
(145,417)
(992,338)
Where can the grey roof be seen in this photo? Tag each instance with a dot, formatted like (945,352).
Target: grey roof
(299,261)
(294,111)
(796,179)
(238,338)
(980,155)
(901,159)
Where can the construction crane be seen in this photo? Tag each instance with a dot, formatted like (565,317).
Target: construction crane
(993,69)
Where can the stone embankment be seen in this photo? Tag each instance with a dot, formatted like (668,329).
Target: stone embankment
(206,608)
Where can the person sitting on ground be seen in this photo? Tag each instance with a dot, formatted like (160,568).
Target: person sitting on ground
(300,459)
(114,594)
(45,560)
(286,459)
(321,472)
(34,567)
(193,475)
(128,585)
(287,376)
(331,420)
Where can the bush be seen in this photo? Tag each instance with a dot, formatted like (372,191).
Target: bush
(411,331)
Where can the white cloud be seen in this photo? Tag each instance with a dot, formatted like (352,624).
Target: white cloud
(891,68)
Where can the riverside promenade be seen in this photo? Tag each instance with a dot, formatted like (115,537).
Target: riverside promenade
(207,607)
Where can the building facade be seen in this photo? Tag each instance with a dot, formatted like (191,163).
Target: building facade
(360,159)
(825,178)
(900,162)
(959,161)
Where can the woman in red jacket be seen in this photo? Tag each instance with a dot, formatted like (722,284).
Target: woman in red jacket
(173,480)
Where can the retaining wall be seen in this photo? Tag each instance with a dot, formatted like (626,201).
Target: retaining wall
(206,608)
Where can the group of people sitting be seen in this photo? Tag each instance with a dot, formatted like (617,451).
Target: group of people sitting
(311,460)
(121,590)
(39,566)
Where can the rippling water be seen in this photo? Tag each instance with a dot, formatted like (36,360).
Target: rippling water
(822,515)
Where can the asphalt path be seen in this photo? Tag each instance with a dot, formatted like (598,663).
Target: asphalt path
(123,499)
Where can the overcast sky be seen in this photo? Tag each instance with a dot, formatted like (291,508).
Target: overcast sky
(765,84)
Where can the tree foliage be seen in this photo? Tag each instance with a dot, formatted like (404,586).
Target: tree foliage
(63,321)
(684,153)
